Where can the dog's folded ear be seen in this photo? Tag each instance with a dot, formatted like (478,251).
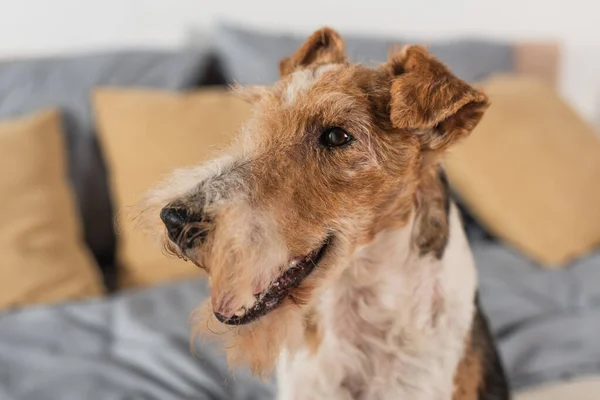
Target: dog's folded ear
(428,99)
(322,47)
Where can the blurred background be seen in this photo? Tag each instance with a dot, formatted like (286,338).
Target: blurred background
(97,98)
(35,27)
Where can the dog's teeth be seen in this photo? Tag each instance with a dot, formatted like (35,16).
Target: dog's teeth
(240,312)
(248,302)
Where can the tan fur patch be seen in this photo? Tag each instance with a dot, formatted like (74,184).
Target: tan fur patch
(312,333)
(469,374)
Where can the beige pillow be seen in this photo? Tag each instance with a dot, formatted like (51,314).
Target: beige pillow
(146,135)
(531,172)
(583,388)
(42,255)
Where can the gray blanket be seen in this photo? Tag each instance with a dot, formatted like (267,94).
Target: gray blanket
(136,345)
(131,346)
(547,322)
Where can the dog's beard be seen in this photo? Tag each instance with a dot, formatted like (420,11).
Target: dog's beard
(258,344)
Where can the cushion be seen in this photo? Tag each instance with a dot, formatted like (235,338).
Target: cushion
(42,255)
(146,135)
(252,57)
(530,172)
(29,85)
(580,389)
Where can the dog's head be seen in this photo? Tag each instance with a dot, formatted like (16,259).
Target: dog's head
(333,154)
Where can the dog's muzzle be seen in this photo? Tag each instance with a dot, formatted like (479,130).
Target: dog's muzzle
(280,289)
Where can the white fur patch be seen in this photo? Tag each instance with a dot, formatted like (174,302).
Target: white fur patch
(394,325)
(303,80)
(325,68)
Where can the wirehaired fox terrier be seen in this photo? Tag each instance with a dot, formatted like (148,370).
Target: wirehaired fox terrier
(332,246)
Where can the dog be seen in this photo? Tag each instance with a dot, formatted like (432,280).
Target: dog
(332,245)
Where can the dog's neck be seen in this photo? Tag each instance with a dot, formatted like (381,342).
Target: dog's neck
(396,323)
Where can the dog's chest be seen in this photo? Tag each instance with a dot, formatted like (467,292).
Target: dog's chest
(392,328)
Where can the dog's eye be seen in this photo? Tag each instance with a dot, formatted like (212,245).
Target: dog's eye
(335,137)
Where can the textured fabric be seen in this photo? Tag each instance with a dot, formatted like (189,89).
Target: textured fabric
(145,136)
(42,255)
(530,172)
(546,320)
(131,346)
(29,85)
(251,57)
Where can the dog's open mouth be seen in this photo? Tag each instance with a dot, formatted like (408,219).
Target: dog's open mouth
(270,298)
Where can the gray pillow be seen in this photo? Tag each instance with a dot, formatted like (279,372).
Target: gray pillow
(29,85)
(251,57)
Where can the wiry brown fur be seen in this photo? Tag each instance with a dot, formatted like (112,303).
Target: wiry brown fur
(280,193)
(323,47)
(428,97)
(384,177)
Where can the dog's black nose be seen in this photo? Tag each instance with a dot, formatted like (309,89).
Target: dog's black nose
(175,220)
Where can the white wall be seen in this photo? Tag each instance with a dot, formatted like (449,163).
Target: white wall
(33,27)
